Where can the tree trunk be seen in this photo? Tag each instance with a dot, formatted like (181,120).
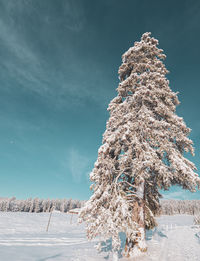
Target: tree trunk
(136,246)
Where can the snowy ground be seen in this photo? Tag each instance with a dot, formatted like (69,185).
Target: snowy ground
(23,236)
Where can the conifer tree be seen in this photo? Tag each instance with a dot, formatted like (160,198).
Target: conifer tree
(36,205)
(142,151)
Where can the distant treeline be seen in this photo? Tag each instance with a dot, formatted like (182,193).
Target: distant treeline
(173,207)
(38,205)
(168,207)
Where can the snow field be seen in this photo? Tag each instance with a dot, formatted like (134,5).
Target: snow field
(23,237)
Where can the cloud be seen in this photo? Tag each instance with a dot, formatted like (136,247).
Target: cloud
(77,163)
(21,63)
(74,79)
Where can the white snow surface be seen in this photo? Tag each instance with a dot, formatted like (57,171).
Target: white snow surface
(23,236)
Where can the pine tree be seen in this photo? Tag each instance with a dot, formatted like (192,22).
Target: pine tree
(48,205)
(36,205)
(44,205)
(31,209)
(63,205)
(28,205)
(142,151)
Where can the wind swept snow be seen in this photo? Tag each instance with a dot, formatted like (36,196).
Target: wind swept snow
(23,237)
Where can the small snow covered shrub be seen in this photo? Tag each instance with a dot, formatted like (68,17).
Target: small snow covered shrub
(197,219)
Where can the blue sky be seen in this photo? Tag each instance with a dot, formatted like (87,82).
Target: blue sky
(58,72)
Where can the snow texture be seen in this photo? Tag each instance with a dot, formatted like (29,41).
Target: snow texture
(23,237)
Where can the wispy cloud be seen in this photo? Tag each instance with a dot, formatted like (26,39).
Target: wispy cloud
(21,62)
(77,163)
(74,80)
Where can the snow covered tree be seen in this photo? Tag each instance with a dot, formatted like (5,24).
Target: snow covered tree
(63,205)
(36,205)
(28,205)
(142,151)
(31,206)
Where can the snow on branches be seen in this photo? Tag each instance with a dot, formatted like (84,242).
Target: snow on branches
(142,151)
